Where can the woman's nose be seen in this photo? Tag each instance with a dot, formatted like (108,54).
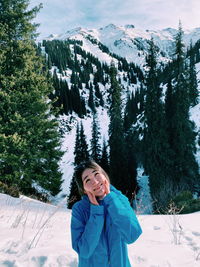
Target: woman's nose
(94,181)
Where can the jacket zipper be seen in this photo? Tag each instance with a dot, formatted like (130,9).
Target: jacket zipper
(106,236)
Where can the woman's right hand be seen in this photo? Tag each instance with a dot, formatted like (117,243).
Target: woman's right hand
(92,198)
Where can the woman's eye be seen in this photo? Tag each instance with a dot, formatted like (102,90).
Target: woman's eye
(87,181)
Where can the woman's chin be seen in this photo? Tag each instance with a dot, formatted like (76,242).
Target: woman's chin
(100,195)
(100,192)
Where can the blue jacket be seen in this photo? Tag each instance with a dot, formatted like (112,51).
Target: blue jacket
(100,234)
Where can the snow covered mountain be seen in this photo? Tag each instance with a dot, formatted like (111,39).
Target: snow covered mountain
(127,41)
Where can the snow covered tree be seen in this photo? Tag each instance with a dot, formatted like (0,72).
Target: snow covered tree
(29,136)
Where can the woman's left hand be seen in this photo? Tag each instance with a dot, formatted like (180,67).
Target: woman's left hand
(107,189)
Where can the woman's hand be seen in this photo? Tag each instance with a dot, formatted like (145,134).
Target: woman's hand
(92,198)
(107,189)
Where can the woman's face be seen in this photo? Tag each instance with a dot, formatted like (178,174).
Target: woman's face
(94,182)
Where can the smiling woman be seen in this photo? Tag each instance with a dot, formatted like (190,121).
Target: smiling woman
(103,222)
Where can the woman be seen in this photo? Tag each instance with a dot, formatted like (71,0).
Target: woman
(103,222)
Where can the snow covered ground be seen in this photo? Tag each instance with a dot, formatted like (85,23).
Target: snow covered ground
(34,234)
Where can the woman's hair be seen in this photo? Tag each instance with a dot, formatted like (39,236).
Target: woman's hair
(90,164)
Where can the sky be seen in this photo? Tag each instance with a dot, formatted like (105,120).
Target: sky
(58,16)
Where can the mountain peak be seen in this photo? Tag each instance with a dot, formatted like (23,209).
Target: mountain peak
(129,26)
(111,26)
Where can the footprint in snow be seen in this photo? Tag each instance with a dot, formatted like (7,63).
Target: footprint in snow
(156,228)
(196,233)
(188,238)
(8,263)
(40,261)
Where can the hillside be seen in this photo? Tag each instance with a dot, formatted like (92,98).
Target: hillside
(92,51)
(127,41)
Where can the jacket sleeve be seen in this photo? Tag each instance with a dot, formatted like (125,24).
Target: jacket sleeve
(85,236)
(123,216)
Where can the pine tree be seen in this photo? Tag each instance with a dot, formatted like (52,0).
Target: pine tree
(131,110)
(56,95)
(98,95)
(156,149)
(76,100)
(29,136)
(181,132)
(74,195)
(64,95)
(193,84)
(80,154)
(104,160)
(130,152)
(95,146)
(91,99)
(120,177)
(81,148)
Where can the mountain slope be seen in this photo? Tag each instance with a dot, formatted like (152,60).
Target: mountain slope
(129,42)
(108,44)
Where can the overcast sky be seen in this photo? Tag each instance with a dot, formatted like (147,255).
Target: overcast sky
(58,16)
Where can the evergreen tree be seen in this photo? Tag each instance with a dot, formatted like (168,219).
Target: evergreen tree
(193,84)
(120,177)
(181,132)
(156,149)
(130,144)
(64,95)
(104,160)
(76,100)
(80,154)
(73,77)
(29,136)
(95,146)
(91,99)
(74,195)
(77,148)
(83,108)
(56,95)
(131,110)
(81,148)
(99,95)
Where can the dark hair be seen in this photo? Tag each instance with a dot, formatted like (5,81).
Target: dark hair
(90,164)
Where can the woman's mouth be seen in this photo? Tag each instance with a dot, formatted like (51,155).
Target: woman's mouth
(98,188)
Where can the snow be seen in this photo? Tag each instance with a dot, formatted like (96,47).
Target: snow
(128,41)
(35,234)
(143,201)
